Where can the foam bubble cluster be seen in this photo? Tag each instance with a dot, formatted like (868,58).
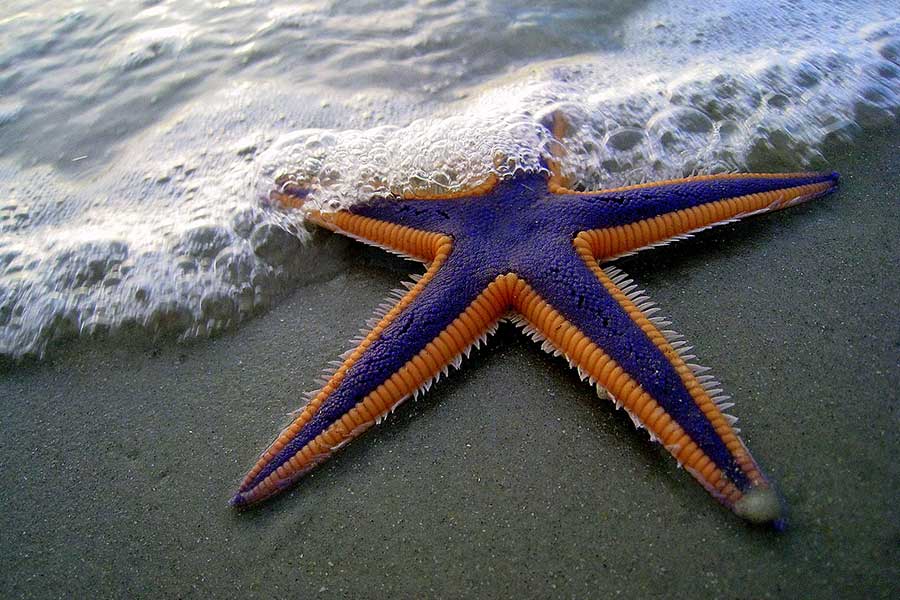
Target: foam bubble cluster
(427,156)
(627,122)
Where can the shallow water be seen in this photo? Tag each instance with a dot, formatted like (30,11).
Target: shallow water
(138,142)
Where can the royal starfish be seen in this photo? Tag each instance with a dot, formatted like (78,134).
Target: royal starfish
(529,249)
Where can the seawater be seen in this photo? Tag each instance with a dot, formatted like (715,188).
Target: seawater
(139,141)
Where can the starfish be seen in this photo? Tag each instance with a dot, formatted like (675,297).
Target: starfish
(529,249)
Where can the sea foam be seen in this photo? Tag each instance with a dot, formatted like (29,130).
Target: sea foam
(166,227)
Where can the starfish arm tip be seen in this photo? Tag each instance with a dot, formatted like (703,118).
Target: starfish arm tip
(761,505)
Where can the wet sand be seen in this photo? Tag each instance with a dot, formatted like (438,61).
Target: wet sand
(508,479)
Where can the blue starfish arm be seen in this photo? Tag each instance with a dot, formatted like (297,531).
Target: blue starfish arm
(628,219)
(395,236)
(610,336)
(439,319)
